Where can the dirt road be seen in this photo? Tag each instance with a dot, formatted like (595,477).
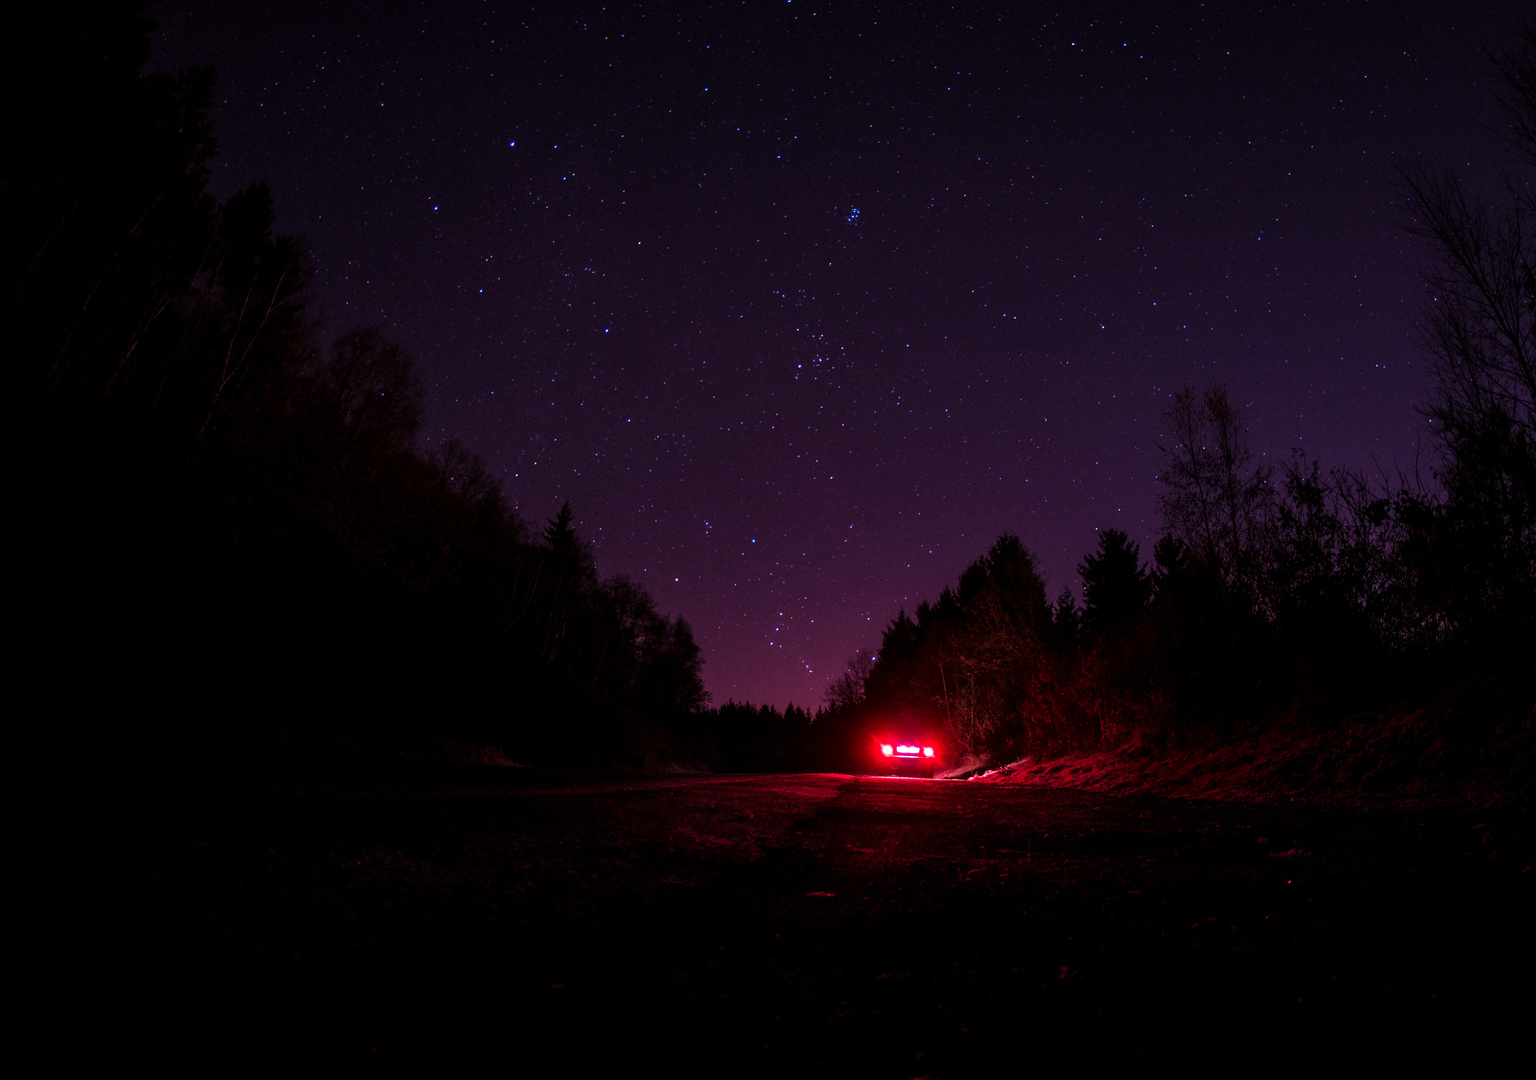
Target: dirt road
(481,917)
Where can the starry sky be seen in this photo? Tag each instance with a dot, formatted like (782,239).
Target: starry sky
(801,305)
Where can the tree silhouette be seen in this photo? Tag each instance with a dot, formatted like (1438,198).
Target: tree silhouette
(1116,586)
(1480,563)
(847,690)
(1213,498)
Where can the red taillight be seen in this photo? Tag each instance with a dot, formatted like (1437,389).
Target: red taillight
(885,748)
(927,751)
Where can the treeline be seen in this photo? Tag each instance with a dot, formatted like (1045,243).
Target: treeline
(220,514)
(1282,595)
(1285,596)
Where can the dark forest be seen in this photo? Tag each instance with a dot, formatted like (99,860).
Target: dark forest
(225,513)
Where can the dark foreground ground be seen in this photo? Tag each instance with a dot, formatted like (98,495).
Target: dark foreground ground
(516,921)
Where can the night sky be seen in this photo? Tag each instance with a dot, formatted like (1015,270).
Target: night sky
(801,306)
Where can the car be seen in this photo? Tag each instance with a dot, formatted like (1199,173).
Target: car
(907,756)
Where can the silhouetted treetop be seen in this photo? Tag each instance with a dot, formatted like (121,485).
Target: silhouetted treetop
(1213,497)
(1116,586)
(370,391)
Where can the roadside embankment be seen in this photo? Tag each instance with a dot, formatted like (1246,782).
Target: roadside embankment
(1414,758)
